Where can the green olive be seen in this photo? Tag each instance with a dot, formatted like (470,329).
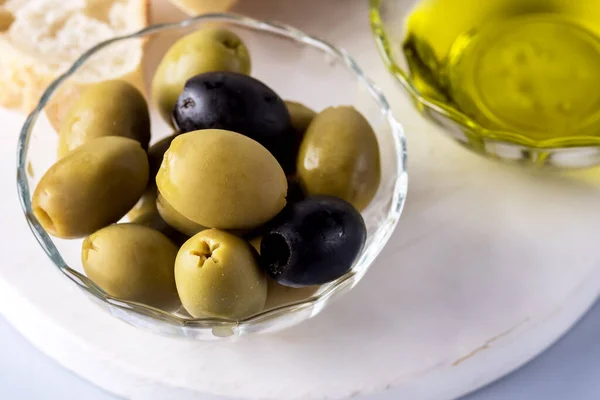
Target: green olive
(339,156)
(221,179)
(91,187)
(145,205)
(175,219)
(278,295)
(132,262)
(155,221)
(255,242)
(217,274)
(110,108)
(301,115)
(146,213)
(206,50)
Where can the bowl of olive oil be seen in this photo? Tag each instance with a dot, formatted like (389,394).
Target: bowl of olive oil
(511,79)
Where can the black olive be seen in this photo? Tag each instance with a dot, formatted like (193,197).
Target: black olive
(313,242)
(238,103)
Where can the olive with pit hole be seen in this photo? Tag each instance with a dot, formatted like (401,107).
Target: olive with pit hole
(217,275)
(313,242)
(91,187)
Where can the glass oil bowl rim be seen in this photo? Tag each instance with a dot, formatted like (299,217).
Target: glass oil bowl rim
(385,47)
(380,237)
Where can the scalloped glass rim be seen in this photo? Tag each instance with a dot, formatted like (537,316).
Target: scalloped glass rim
(384,46)
(368,255)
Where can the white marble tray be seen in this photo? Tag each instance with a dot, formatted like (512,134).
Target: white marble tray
(490,264)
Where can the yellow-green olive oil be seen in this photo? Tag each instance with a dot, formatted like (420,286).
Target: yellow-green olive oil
(529,67)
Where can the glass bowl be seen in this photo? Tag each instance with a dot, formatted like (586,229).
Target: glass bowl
(411,60)
(297,66)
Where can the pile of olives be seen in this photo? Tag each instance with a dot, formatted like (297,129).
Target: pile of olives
(250,196)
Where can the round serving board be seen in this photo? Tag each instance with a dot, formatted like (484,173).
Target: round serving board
(489,265)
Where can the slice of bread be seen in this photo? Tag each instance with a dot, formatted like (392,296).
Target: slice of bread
(44,37)
(195,7)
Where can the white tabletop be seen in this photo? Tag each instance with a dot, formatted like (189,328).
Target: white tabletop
(568,370)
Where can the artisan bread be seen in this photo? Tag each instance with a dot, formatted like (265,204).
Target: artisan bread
(44,38)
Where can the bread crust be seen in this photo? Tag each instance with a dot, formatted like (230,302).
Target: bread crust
(195,7)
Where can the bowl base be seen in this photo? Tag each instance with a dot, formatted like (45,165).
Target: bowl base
(563,157)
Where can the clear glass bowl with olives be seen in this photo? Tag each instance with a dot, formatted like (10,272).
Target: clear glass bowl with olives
(252,178)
